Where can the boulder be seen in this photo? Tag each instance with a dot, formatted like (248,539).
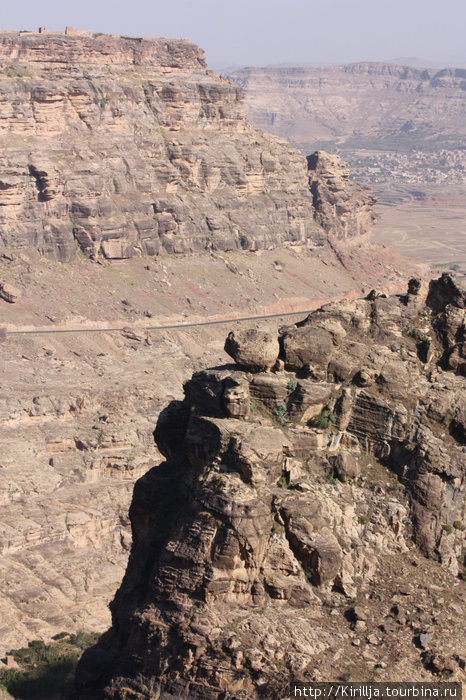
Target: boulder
(458,425)
(204,392)
(236,398)
(444,291)
(9,293)
(376,294)
(312,542)
(418,288)
(307,346)
(254,349)
(308,399)
(269,390)
(347,467)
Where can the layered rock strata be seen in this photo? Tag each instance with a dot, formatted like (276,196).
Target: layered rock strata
(125,146)
(372,105)
(343,208)
(275,538)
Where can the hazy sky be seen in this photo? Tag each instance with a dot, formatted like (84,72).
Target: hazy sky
(260,32)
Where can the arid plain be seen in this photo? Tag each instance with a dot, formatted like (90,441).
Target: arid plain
(429,227)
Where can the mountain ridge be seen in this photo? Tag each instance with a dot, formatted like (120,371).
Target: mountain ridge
(311,105)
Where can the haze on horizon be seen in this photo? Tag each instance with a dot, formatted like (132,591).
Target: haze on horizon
(263,32)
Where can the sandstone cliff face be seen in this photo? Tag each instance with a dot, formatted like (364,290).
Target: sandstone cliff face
(287,496)
(125,146)
(343,208)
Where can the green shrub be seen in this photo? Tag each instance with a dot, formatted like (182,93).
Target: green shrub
(324,419)
(292,384)
(331,478)
(409,333)
(45,667)
(281,409)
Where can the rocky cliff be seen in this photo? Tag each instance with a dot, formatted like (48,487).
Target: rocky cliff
(371,105)
(341,207)
(400,129)
(125,146)
(308,522)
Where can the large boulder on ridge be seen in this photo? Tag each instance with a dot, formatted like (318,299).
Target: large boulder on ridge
(254,349)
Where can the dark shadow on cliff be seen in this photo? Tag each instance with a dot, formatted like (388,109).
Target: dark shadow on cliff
(46,670)
(40,684)
(160,499)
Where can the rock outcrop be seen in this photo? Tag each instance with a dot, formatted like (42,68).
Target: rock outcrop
(125,146)
(266,521)
(342,207)
(67,474)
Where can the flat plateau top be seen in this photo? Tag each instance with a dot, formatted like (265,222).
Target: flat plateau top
(86,47)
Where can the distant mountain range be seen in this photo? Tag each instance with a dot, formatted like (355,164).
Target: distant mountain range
(226,68)
(383,106)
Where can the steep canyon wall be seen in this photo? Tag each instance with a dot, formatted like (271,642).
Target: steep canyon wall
(124,146)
